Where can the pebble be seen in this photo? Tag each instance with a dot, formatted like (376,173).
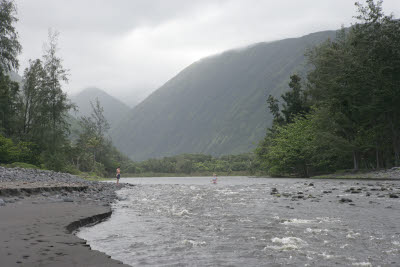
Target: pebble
(345,200)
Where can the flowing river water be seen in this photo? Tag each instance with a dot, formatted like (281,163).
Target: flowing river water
(243,221)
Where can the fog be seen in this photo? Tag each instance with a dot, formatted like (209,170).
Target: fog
(130,48)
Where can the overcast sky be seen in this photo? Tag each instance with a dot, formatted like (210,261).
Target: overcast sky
(127,47)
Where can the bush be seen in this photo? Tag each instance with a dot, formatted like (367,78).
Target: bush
(22,165)
(71,169)
(8,152)
(26,152)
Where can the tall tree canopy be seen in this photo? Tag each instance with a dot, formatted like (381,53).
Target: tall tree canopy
(354,84)
(9,44)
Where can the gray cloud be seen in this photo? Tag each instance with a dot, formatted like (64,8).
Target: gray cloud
(127,47)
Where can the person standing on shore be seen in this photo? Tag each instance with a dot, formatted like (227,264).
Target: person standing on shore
(118,174)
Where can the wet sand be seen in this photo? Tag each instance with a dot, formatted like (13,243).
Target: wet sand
(37,232)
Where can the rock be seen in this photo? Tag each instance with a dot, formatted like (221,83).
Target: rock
(67,199)
(311,184)
(393,196)
(345,200)
(326,191)
(2,202)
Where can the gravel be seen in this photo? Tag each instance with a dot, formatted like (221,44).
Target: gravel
(43,185)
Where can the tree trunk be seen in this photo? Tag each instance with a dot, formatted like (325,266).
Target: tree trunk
(355,160)
(305,170)
(395,142)
(377,156)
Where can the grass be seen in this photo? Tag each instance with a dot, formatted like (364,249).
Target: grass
(20,165)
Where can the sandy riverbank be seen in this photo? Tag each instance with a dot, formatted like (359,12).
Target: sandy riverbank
(39,210)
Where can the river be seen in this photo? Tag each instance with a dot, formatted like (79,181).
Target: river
(242,221)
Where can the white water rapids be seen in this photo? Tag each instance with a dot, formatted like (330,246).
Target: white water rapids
(238,222)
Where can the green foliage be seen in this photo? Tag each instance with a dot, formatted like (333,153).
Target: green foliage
(357,77)
(194,163)
(8,152)
(10,105)
(354,85)
(9,45)
(295,100)
(92,151)
(303,147)
(22,165)
(33,118)
(21,152)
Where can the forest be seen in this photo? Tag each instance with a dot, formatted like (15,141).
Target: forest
(34,115)
(345,115)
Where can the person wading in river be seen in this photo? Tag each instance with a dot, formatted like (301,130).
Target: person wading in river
(214,179)
(118,174)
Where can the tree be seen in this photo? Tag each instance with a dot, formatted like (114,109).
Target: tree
(292,149)
(9,44)
(295,100)
(273,106)
(9,50)
(33,84)
(357,77)
(55,103)
(54,106)
(95,149)
(10,105)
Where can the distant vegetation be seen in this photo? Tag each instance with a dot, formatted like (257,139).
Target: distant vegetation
(215,106)
(347,113)
(194,164)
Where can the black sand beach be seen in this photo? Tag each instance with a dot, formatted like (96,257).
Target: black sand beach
(35,234)
(39,210)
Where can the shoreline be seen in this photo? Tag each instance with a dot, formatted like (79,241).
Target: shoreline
(40,212)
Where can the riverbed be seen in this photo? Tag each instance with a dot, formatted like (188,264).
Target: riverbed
(188,221)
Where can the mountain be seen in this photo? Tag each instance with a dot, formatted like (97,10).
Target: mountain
(216,105)
(114,109)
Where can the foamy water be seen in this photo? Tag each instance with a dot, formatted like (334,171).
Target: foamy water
(191,222)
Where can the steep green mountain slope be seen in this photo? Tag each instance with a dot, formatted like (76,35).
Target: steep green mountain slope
(114,109)
(216,105)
